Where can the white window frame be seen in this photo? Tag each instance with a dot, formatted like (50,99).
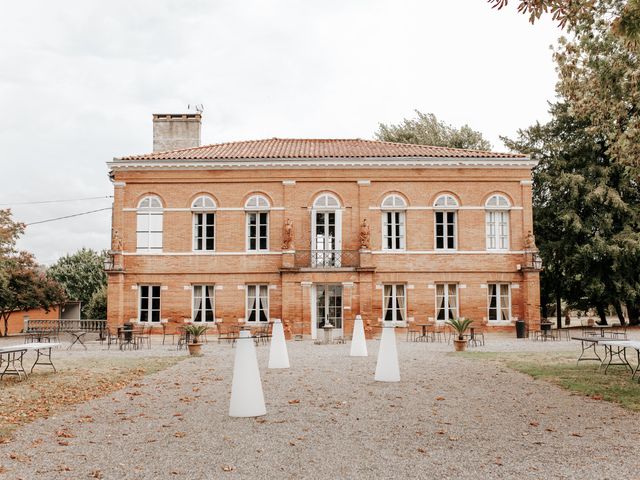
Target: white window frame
(497,223)
(445,204)
(249,309)
(394,206)
(394,295)
(149,308)
(499,305)
(149,208)
(203,205)
(445,289)
(203,288)
(255,206)
(327,203)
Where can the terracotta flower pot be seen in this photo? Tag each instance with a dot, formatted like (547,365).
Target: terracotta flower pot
(195,349)
(460,345)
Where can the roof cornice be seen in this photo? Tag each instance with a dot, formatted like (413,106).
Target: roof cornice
(308,163)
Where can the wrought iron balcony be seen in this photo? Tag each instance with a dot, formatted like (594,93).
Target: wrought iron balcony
(327,259)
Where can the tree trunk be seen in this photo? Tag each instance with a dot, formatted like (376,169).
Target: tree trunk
(634,313)
(558,309)
(619,312)
(602,314)
(5,319)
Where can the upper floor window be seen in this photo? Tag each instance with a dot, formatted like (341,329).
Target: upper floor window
(393,222)
(445,221)
(204,224)
(497,222)
(326,201)
(257,207)
(149,225)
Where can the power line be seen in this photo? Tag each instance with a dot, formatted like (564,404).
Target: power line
(55,201)
(68,216)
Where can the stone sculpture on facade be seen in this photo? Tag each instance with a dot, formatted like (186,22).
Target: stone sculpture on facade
(365,236)
(287,238)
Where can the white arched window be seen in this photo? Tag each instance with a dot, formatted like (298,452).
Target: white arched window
(257,207)
(446,207)
(497,222)
(204,223)
(326,231)
(393,222)
(149,225)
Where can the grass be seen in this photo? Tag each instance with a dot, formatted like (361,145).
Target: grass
(561,369)
(46,393)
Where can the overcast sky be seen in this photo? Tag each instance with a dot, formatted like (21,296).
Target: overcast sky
(80,79)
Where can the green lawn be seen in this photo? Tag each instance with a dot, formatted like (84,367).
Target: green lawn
(561,369)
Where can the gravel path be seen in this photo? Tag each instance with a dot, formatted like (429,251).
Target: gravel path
(449,416)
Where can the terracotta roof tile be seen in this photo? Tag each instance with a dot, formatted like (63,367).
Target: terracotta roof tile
(315,148)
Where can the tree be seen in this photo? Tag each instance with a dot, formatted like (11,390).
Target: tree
(426,129)
(97,306)
(23,285)
(81,275)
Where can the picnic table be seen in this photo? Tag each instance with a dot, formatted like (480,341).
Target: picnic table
(13,355)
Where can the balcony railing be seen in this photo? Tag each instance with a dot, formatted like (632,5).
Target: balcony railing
(327,259)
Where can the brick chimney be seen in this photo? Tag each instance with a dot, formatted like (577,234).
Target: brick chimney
(173,131)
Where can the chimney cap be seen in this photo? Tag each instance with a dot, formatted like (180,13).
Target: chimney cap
(177,116)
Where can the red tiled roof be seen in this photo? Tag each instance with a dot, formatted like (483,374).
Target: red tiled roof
(315,148)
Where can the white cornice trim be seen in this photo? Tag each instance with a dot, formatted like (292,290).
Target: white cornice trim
(306,163)
(526,182)
(288,183)
(364,183)
(447,252)
(198,254)
(419,207)
(211,210)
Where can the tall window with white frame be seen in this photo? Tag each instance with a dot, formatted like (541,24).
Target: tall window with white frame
(149,303)
(203,303)
(204,224)
(257,208)
(445,207)
(394,303)
(149,225)
(257,303)
(393,222)
(499,302)
(497,219)
(446,301)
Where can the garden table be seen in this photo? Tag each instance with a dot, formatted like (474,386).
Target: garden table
(13,355)
(77,336)
(425,331)
(617,348)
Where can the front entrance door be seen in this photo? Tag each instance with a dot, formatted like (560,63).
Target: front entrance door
(328,309)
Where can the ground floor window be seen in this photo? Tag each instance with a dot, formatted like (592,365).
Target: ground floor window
(257,303)
(203,303)
(393,303)
(446,301)
(499,302)
(149,306)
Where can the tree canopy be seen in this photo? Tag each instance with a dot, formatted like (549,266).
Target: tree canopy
(426,129)
(81,274)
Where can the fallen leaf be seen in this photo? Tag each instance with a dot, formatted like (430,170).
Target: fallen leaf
(179,434)
(534,423)
(96,474)
(294,402)
(575,434)
(228,468)
(440,398)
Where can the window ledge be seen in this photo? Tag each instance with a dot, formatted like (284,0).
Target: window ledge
(499,322)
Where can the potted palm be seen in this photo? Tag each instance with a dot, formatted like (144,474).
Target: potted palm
(194,332)
(460,325)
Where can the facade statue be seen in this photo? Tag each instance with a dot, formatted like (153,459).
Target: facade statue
(287,238)
(365,235)
(530,241)
(116,241)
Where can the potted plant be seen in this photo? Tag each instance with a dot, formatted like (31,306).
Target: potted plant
(194,332)
(460,325)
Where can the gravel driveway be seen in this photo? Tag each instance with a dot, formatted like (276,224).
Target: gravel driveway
(449,417)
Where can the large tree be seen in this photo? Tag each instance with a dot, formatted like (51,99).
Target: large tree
(81,274)
(426,129)
(23,284)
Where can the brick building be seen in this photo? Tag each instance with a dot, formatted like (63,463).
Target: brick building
(311,231)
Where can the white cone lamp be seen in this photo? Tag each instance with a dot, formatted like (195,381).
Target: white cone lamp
(358,341)
(387,368)
(247,399)
(278,356)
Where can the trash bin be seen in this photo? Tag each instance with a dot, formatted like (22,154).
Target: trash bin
(127,331)
(520,329)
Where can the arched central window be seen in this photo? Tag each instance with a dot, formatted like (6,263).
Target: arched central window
(393,222)
(149,225)
(497,221)
(446,207)
(326,231)
(204,223)
(257,208)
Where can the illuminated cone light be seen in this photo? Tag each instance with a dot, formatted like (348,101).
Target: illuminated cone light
(387,369)
(278,357)
(247,399)
(358,342)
